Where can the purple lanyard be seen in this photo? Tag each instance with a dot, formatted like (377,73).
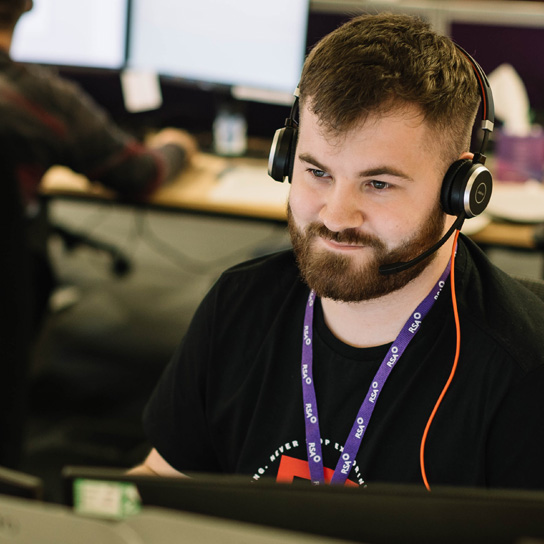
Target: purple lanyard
(355,437)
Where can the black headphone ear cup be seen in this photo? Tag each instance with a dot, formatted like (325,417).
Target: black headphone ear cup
(452,177)
(292,154)
(466,188)
(282,152)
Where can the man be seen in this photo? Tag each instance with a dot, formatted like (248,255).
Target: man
(45,121)
(314,364)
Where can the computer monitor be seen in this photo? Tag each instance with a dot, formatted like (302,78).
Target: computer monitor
(256,49)
(380,513)
(20,484)
(80,33)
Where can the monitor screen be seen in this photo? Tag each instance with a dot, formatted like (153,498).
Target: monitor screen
(86,33)
(380,513)
(239,43)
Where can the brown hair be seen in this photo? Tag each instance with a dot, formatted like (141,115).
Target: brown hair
(10,11)
(378,63)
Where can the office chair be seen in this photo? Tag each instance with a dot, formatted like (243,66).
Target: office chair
(120,263)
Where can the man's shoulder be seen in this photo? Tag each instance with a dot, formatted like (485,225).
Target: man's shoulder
(40,83)
(253,293)
(483,282)
(502,308)
(277,268)
(263,278)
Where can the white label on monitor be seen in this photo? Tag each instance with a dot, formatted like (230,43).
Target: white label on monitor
(141,90)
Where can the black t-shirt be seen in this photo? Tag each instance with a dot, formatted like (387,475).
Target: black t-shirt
(231,399)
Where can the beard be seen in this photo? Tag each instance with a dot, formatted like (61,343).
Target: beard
(338,277)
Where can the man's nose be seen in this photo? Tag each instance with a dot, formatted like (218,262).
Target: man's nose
(341,209)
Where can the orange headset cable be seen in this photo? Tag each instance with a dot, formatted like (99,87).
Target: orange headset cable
(453,369)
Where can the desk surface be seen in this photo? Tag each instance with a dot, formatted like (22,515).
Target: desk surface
(202,188)
(198,188)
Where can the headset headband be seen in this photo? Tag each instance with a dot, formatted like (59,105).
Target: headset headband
(488,106)
(284,143)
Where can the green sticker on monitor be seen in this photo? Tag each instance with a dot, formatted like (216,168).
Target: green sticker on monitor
(106,499)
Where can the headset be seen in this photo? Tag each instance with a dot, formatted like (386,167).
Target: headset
(467,185)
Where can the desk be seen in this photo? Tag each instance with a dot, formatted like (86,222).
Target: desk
(195,191)
(510,235)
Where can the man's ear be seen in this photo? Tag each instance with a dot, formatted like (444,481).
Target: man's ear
(466,155)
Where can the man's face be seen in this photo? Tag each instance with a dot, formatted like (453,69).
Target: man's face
(363,199)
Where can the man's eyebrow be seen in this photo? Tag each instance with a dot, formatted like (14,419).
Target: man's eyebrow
(385,171)
(371,172)
(306,157)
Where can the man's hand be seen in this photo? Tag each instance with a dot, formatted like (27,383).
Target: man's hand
(175,136)
(155,465)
